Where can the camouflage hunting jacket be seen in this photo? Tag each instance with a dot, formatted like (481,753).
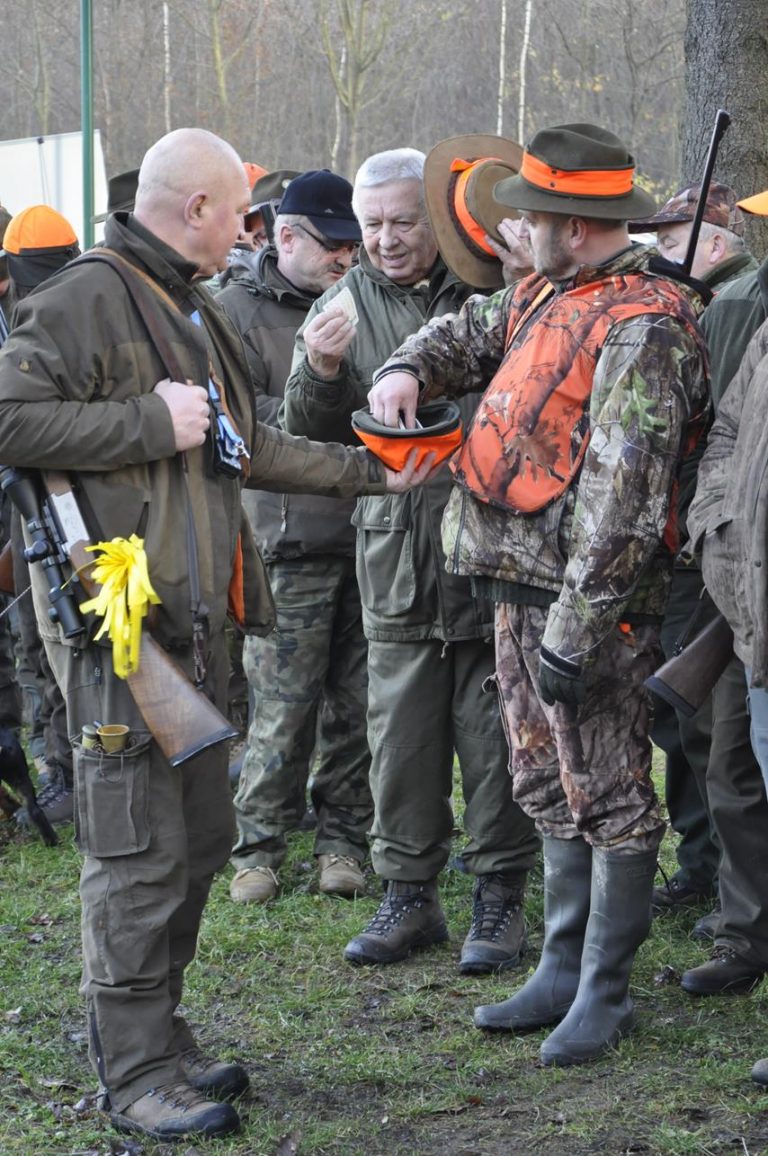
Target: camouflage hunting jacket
(599,553)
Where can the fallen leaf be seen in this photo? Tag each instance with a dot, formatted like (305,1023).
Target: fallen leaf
(87,1103)
(125,1148)
(288,1145)
(666,976)
(14,1015)
(56,1082)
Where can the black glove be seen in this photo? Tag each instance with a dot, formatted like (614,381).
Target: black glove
(560,680)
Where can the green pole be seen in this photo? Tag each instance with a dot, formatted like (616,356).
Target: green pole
(86,117)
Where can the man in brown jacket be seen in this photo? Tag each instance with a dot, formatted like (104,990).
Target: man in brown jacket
(84,388)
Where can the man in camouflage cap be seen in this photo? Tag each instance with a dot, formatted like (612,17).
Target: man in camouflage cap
(720,252)
(563,513)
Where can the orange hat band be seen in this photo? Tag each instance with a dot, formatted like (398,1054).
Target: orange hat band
(475,232)
(394,452)
(587,183)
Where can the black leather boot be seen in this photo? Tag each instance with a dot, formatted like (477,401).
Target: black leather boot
(619,920)
(547,995)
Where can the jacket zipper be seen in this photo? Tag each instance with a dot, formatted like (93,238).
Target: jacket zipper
(459,532)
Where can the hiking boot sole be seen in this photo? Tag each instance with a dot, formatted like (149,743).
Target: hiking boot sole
(741,985)
(358,956)
(223,1122)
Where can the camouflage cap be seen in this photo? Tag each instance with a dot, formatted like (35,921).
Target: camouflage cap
(721,209)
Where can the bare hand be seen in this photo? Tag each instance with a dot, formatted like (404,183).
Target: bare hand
(515,254)
(327,338)
(190,414)
(409,476)
(395,394)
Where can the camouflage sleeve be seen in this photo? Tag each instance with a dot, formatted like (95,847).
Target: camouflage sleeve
(650,380)
(706,511)
(459,352)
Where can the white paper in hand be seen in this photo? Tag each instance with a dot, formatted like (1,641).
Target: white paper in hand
(346,302)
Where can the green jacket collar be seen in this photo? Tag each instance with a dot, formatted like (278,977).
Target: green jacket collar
(729,270)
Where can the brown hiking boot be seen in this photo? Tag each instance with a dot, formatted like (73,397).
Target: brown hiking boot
(676,895)
(496,939)
(409,917)
(253,885)
(175,1111)
(340,875)
(215,1078)
(725,973)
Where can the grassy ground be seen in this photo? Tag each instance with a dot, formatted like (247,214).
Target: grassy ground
(370,1061)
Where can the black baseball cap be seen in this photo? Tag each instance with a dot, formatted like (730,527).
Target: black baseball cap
(326,200)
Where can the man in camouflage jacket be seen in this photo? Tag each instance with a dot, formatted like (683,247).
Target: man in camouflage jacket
(563,513)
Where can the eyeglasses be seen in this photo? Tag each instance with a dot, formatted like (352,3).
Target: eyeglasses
(329,246)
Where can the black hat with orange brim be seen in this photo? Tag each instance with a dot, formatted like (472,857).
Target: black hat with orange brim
(439,432)
(459,177)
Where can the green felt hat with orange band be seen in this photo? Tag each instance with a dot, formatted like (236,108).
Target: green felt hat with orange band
(578,170)
(440,433)
(459,176)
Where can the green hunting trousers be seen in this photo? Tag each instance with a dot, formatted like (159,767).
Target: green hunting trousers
(153,837)
(427,700)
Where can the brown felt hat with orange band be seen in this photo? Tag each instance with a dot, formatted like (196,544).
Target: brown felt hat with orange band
(459,176)
(441,434)
(578,170)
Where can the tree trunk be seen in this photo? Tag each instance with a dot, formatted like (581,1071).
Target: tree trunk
(521,134)
(726,55)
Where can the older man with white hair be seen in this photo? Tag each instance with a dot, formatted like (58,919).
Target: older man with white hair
(429,640)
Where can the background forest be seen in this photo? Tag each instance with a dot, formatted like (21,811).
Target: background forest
(305,83)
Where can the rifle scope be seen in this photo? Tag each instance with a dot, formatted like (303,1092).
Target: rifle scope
(20,487)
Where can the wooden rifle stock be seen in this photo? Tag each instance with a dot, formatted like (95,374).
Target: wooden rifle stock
(183,720)
(686,680)
(7,582)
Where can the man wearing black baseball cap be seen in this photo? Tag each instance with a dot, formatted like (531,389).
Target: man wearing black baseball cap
(563,513)
(308,679)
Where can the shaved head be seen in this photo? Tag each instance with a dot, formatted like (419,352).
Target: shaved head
(192,193)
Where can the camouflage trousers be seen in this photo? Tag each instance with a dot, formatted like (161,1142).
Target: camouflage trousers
(309,681)
(584,770)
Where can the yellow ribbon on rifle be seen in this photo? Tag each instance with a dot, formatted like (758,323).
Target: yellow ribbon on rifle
(124,598)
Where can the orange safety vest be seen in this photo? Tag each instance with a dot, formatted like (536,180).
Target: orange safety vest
(531,430)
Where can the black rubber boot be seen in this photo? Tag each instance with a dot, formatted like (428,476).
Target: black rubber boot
(619,920)
(547,995)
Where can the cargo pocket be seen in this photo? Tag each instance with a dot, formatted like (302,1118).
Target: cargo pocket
(385,570)
(112,799)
